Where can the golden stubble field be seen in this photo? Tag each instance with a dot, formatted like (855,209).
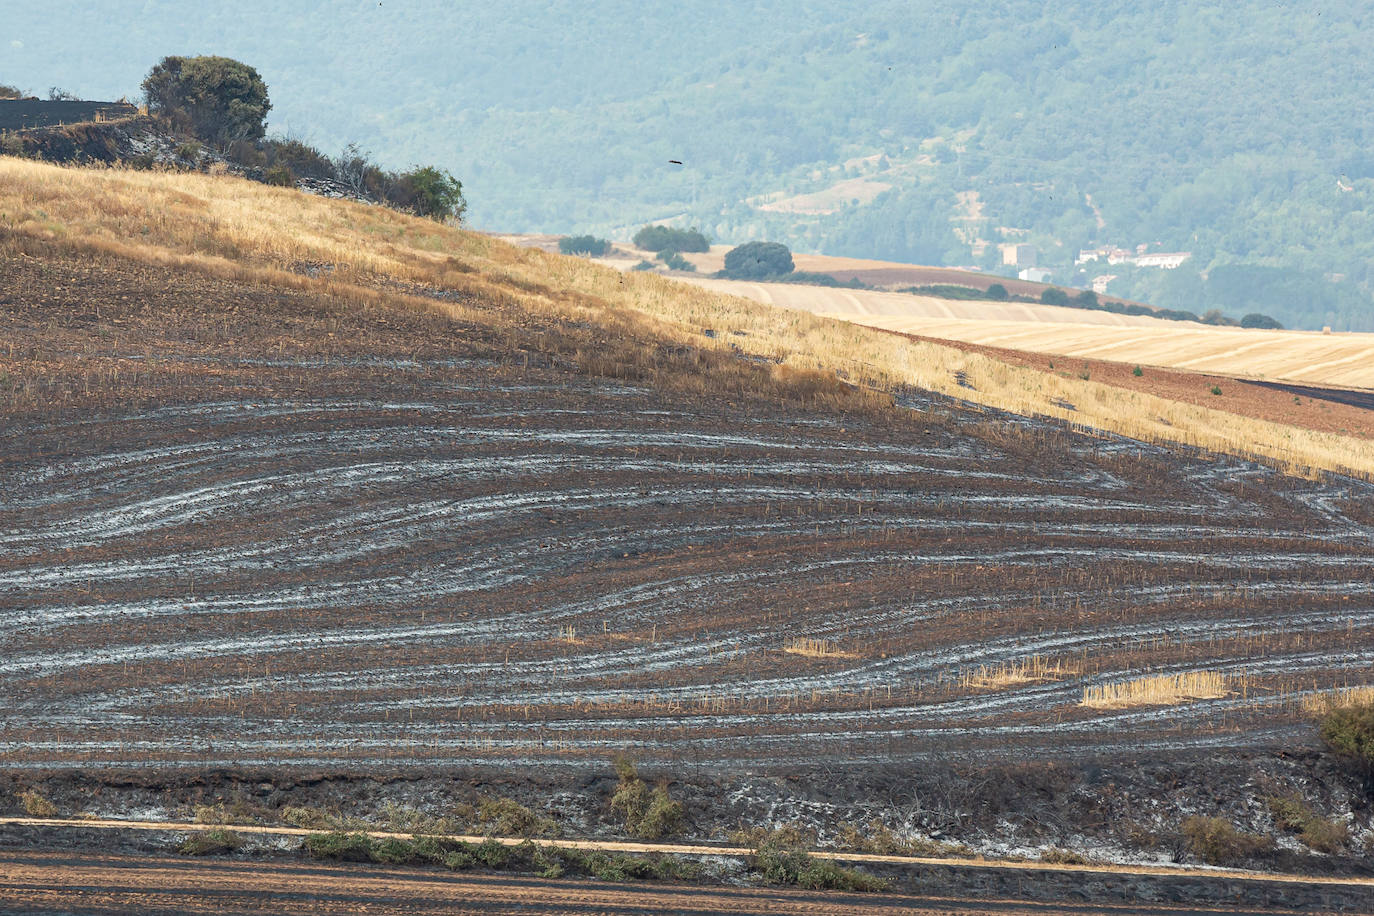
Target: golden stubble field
(248,231)
(1305,357)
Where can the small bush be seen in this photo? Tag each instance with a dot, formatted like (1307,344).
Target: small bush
(643,265)
(1053,296)
(879,839)
(1057,856)
(211,843)
(507,817)
(1292,814)
(998,292)
(584,244)
(675,261)
(649,815)
(189,151)
(1137,372)
(778,862)
(1349,731)
(237,811)
(1216,389)
(344,847)
(36,805)
(279,176)
(1215,841)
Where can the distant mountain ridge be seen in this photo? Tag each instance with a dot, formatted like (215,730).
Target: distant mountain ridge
(1236,133)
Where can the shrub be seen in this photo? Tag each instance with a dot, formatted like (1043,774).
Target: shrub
(778,860)
(1086,300)
(879,839)
(1349,731)
(1216,389)
(584,244)
(9,92)
(279,176)
(507,817)
(666,238)
(649,815)
(36,805)
(211,843)
(757,261)
(345,847)
(644,265)
(1137,372)
(1293,815)
(676,261)
(189,151)
(430,192)
(1057,856)
(219,99)
(1053,296)
(1258,320)
(1215,841)
(998,292)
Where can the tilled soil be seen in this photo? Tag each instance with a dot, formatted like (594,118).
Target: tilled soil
(247,527)
(95,884)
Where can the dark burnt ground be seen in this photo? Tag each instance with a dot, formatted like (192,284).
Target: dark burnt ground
(258,526)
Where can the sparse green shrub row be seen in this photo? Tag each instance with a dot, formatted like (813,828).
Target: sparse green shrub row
(549,862)
(781,857)
(211,843)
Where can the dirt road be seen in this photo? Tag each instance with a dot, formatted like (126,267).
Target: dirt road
(62,882)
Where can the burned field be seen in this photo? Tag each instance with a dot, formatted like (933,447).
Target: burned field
(263,528)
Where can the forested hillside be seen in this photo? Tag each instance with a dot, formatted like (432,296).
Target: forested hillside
(924,132)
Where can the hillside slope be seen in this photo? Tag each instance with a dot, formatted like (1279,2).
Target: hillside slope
(296,482)
(893,130)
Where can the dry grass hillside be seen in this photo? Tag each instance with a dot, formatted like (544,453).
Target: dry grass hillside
(251,232)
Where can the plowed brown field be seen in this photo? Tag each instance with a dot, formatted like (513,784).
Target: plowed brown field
(247,524)
(89,883)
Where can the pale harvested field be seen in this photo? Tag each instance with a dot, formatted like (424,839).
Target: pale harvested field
(877,308)
(1308,357)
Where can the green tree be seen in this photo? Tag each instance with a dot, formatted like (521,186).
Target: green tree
(584,244)
(1053,296)
(666,238)
(432,192)
(998,292)
(217,98)
(758,260)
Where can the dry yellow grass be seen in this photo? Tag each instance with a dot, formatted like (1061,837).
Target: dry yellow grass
(814,648)
(1035,669)
(1161,690)
(252,231)
(1319,704)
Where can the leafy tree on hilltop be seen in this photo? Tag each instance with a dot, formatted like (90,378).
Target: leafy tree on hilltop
(758,260)
(432,192)
(219,99)
(9,92)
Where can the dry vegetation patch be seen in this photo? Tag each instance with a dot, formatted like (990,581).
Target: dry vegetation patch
(1161,690)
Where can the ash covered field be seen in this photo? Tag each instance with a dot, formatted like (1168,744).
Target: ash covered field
(246,527)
